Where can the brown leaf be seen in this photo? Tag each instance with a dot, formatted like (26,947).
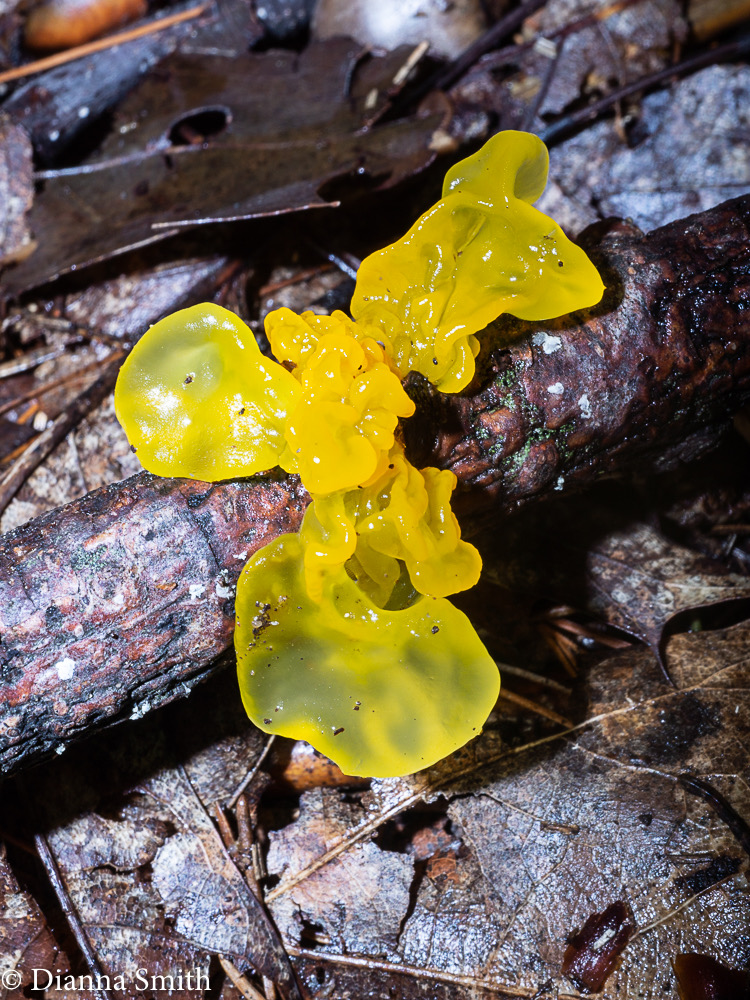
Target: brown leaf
(26,942)
(550,833)
(358,898)
(151,881)
(639,580)
(627,571)
(277,127)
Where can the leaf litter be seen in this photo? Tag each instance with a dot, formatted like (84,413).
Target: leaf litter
(539,826)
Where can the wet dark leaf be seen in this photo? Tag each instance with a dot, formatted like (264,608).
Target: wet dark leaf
(546,835)
(153,884)
(209,139)
(605,555)
(640,580)
(593,951)
(26,941)
(700,977)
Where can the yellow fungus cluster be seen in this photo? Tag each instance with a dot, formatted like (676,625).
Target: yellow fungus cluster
(344,636)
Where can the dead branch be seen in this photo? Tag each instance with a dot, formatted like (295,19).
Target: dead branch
(651,376)
(122,601)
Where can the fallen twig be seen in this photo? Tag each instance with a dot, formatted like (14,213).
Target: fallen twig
(71,55)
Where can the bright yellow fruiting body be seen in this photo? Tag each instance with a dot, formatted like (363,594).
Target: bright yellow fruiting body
(343,426)
(402,518)
(382,693)
(344,635)
(482,250)
(198,399)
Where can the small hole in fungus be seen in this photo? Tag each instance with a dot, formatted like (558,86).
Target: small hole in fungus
(338,732)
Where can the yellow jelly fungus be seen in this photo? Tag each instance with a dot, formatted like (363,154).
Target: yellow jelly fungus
(480,251)
(382,693)
(344,424)
(404,516)
(344,636)
(198,399)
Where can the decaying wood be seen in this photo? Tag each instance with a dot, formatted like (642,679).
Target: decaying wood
(650,377)
(121,601)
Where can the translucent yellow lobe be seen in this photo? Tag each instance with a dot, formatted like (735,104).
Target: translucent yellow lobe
(480,251)
(382,693)
(198,399)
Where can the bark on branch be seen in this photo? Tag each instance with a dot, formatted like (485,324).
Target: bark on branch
(123,600)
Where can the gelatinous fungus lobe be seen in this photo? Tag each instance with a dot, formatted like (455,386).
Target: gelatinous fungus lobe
(482,250)
(380,692)
(198,399)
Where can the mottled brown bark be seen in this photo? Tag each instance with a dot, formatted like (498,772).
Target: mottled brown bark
(651,376)
(121,601)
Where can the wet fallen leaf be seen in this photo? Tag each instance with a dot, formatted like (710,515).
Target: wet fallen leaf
(358,898)
(143,864)
(601,557)
(221,139)
(639,580)
(551,833)
(26,941)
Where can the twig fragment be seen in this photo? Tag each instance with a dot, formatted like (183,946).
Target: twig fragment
(48,440)
(533,706)
(70,55)
(71,915)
